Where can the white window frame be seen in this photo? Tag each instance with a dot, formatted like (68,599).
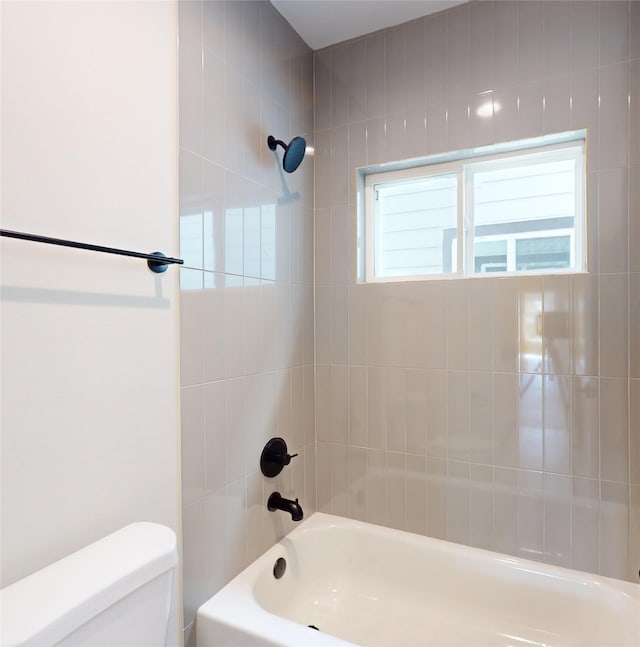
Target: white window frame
(464,169)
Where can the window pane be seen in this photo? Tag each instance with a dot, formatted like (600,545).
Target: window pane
(519,201)
(415,226)
(490,256)
(543,253)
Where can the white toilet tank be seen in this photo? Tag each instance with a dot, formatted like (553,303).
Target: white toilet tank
(115,592)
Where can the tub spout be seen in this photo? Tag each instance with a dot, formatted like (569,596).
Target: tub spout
(278,502)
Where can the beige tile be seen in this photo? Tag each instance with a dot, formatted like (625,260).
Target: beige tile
(194,582)
(376,101)
(634,325)
(396,490)
(256,541)
(614,230)
(396,138)
(376,338)
(458,126)
(557,423)
(584,111)
(481,506)
(458,53)
(530,324)
(584,32)
(193,444)
(191,233)
(634,430)
(416,494)
(614,115)
(394,79)
(584,324)
(339,324)
(339,165)
(415,325)
(396,392)
(504,311)
(358,483)
(530,41)
(480,326)
(339,85)
(458,438)
(634,532)
(614,426)
(376,407)
(237,526)
(530,109)
(556,46)
(340,479)
(458,325)
(191,327)
(323,476)
(283,394)
(395,325)
(339,404)
(436,128)
(634,106)
(376,141)
(213,216)
(323,325)
(376,487)
(357,350)
(557,519)
(436,324)
(214,435)
(530,515)
(308,405)
(585,525)
(482,24)
(436,497)
(323,403)
(339,245)
(557,104)
(357,78)
(458,502)
(437,409)
(310,479)
(530,422)
(505,119)
(634,209)
(322,78)
(505,516)
(190,96)
(436,66)
(585,436)
(614,530)
(556,325)
(614,341)
(415,62)
(481,120)
(614,32)
(416,381)
(481,418)
(235,430)
(357,406)
(506,44)
(505,419)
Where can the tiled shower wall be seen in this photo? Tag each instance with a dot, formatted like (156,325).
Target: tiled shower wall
(437,410)
(247,286)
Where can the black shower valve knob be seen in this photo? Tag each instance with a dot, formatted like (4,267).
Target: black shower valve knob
(274,457)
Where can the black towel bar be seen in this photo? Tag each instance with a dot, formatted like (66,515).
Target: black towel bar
(156,261)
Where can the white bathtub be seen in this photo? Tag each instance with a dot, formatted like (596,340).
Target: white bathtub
(362,584)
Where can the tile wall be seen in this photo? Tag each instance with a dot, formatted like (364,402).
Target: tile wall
(247,363)
(436,411)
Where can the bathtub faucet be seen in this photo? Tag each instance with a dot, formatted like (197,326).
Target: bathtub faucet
(278,502)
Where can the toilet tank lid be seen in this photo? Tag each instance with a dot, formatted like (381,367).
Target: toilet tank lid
(49,604)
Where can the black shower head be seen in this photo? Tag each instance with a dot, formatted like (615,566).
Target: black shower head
(293,151)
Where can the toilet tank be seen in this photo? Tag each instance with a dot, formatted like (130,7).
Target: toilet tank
(115,592)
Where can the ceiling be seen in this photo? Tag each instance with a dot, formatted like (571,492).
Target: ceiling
(321,23)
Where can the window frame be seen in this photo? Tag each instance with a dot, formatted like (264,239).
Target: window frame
(464,169)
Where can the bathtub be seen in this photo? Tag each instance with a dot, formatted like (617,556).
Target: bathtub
(361,584)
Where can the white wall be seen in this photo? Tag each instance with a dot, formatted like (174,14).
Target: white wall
(89,341)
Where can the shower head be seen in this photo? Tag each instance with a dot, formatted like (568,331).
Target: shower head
(293,151)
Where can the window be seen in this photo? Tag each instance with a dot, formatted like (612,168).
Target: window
(514,212)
